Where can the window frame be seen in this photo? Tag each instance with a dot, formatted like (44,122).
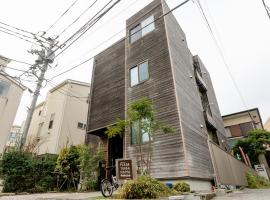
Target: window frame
(141,29)
(138,73)
(150,137)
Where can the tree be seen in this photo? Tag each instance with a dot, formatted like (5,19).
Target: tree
(255,144)
(142,122)
(67,168)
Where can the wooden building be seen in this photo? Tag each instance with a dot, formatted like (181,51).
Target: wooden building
(154,61)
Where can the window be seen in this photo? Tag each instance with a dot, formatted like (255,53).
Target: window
(143,28)
(81,125)
(4,87)
(51,120)
(135,137)
(139,74)
(39,128)
(39,113)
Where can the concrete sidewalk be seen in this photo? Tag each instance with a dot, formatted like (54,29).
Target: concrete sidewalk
(55,196)
(247,194)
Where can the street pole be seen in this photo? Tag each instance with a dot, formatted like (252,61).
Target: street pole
(45,57)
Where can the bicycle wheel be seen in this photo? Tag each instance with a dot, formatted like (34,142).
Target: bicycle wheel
(106,188)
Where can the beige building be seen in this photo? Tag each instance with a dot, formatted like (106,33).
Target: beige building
(10,97)
(61,119)
(238,124)
(267,125)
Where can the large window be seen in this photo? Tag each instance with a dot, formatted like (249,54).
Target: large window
(145,132)
(4,87)
(142,29)
(139,74)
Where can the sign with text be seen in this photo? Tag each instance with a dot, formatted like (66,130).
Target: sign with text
(261,170)
(125,169)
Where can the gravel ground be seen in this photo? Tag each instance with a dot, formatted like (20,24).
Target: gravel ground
(55,196)
(258,194)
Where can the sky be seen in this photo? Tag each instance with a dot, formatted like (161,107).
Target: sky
(241,27)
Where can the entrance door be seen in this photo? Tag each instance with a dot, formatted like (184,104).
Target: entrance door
(115,150)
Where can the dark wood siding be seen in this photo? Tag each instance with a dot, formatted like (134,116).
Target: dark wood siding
(108,89)
(168,155)
(190,106)
(214,106)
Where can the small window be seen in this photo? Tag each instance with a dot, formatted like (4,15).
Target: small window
(135,33)
(81,125)
(4,87)
(148,25)
(139,74)
(143,28)
(134,78)
(39,113)
(51,120)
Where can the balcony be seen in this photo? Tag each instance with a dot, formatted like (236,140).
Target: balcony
(209,119)
(200,81)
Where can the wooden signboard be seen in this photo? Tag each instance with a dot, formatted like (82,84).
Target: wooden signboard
(125,169)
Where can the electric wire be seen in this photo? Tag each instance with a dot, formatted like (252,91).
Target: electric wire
(11,34)
(220,51)
(87,26)
(88,59)
(24,31)
(78,17)
(15,32)
(267,8)
(62,15)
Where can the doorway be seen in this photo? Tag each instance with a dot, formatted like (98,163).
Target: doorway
(115,150)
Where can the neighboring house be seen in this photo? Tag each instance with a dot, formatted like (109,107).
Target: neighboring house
(238,124)
(60,120)
(10,97)
(267,125)
(15,137)
(155,62)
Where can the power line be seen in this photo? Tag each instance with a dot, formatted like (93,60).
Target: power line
(62,15)
(19,29)
(15,32)
(267,8)
(87,60)
(88,25)
(78,17)
(20,70)
(11,34)
(222,55)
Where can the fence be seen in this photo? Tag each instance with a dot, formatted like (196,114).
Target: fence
(228,170)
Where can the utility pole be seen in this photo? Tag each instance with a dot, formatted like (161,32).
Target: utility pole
(45,56)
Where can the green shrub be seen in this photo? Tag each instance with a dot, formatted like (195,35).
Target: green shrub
(256,182)
(23,172)
(144,187)
(181,187)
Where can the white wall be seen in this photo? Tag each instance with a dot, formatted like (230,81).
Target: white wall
(68,112)
(8,108)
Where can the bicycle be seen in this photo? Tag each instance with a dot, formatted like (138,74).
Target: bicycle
(108,186)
